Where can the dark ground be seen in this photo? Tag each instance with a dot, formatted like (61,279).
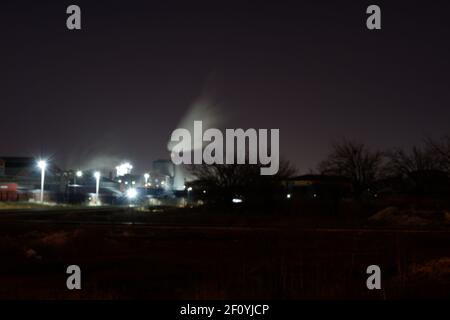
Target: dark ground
(187,255)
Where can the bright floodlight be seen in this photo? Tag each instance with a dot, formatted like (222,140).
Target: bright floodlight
(42,164)
(79,174)
(132,193)
(237,200)
(146,177)
(97,185)
(123,169)
(288,196)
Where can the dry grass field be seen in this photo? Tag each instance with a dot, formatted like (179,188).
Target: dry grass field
(126,255)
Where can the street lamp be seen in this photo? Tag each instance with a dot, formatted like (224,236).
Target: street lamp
(188,194)
(42,164)
(78,174)
(146,177)
(97,185)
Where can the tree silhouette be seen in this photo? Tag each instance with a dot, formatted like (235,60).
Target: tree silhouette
(355,161)
(441,148)
(402,164)
(226,181)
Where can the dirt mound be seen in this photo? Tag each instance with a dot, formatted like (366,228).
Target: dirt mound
(396,217)
(438,269)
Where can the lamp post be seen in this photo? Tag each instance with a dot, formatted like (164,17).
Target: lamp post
(189,194)
(42,164)
(78,174)
(97,185)
(146,177)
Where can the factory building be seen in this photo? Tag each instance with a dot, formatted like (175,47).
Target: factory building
(20,179)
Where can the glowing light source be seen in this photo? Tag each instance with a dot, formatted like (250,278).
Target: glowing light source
(97,176)
(42,164)
(123,169)
(78,174)
(237,200)
(189,189)
(132,193)
(288,196)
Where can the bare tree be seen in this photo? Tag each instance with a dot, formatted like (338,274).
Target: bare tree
(403,164)
(237,174)
(441,149)
(355,161)
(229,180)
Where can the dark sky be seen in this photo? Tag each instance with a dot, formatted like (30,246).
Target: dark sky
(117,88)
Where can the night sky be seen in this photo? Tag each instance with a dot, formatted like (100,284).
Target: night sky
(117,89)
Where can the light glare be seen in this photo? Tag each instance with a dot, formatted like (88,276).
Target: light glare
(42,164)
(123,169)
(132,193)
